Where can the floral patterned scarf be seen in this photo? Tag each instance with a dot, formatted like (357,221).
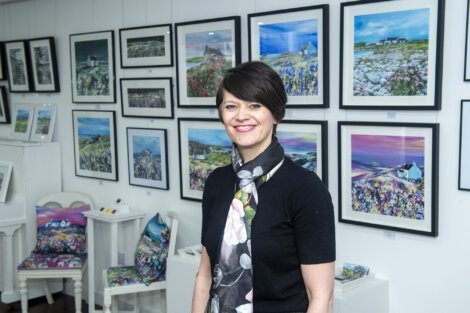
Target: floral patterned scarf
(232,288)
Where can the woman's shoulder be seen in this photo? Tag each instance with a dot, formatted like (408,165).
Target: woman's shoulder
(294,173)
(220,173)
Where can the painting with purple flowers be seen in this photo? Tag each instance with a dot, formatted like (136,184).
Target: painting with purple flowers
(388,174)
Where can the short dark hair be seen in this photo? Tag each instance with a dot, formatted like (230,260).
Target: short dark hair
(255,81)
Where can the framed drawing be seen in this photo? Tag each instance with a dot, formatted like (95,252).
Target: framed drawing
(294,42)
(17,59)
(204,146)
(205,50)
(44,65)
(388,175)
(464,156)
(391,54)
(147,97)
(22,121)
(306,143)
(147,156)
(3,65)
(94,134)
(5,174)
(4,110)
(92,67)
(43,123)
(148,46)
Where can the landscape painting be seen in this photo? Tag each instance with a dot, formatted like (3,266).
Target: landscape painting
(291,49)
(146,47)
(18,66)
(300,147)
(391,53)
(44,118)
(22,120)
(42,65)
(147,157)
(146,98)
(43,123)
(94,133)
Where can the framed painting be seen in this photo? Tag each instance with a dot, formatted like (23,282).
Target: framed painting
(205,50)
(43,122)
(92,67)
(388,176)
(148,46)
(306,143)
(95,147)
(464,155)
(17,60)
(23,115)
(148,157)
(44,65)
(3,70)
(4,110)
(5,174)
(294,42)
(147,97)
(391,54)
(204,146)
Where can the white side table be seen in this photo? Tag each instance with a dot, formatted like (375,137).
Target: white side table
(372,297)
(8,229)
(180,277)
(113,220)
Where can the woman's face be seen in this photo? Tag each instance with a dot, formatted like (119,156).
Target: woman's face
(249,125)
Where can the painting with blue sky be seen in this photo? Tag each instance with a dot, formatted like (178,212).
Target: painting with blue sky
(141,143)
(92,126)
(94,144)
(301,147)
(210,136)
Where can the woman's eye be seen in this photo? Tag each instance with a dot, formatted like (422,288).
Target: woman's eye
(230,107)
(255,106)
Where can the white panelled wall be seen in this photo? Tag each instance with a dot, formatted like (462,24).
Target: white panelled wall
(426,274)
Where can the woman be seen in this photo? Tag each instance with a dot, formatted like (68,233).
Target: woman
(268,226)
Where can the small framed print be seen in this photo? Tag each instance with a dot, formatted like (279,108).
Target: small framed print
(3,64)
(205,50)
(4,110)
(294,42)
(92,67)
(95,147)
(43,123)
(5,174)
(148,46)
(23,115)
(391,54)
(44,65)
(17,59)
(464,156)
(204,146)
(388,176)
(306,143)
(147,156)
(147,97)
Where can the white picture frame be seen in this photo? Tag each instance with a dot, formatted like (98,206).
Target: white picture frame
(22,119)
(43,122)
(5,175)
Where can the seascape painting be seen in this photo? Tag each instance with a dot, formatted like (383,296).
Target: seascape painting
(146,97)
(146,47)
(43,65)
(147,157)
(391,53)
(208,56)
(43,122)
(18,70)
(208,149)
(22,120)
(291,49)
(94,144)
(300,147)
(92,68)
(388,175)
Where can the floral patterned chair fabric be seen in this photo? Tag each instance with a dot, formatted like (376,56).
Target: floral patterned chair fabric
(52,261)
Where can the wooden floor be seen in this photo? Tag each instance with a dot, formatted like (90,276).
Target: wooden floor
(62,304)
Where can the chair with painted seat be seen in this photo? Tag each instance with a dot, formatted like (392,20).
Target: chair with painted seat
(61,245)
(124,280)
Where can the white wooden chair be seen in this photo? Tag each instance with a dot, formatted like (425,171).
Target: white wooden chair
(137,288)
(55,201)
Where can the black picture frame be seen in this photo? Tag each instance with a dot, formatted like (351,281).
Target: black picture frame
(44,48)
(3,64)
(17,51)
(299,137)
(466,73)
(161,143)
(158,84)
(151,32)
(4,109)
(99,50)
(386,183)
(219,27)
(464,146)
(94,135)
(312,24)
(409,76)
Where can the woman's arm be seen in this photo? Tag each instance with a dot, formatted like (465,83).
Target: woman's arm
(319,282)
(203,284)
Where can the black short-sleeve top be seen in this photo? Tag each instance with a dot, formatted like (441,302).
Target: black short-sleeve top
(293,225)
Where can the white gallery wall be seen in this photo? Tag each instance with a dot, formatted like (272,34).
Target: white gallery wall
(426,274)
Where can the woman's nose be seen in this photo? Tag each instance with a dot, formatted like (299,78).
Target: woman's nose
(243,113)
